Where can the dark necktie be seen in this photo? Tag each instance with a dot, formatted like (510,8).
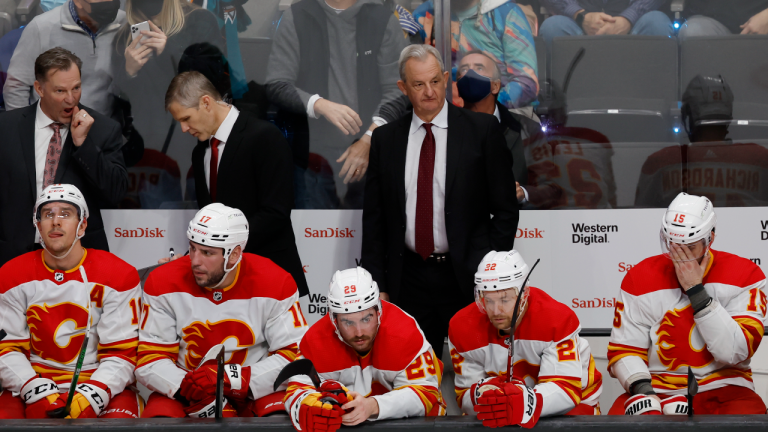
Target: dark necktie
(52,156)
(425,241)
(214,167)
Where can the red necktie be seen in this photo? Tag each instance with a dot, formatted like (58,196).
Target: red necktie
(53,156)
(214,167)
(425,241)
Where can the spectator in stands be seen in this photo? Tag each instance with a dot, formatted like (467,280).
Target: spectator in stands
(501,30)
(604,17)
(85,27)
(729,174)
(57,140)
(718,18)
(142,75)
(479,84)
(320,66)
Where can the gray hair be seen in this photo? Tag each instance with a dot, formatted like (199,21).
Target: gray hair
(495,73)
(421,53)
(187,88)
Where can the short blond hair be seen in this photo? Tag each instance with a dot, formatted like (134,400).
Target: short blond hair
(187,88)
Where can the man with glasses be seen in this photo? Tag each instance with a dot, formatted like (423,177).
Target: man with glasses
(61,300)
(689,309)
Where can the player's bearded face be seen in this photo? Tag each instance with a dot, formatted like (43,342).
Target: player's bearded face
(359,329)
(58,226)
(500,306)
(207,264)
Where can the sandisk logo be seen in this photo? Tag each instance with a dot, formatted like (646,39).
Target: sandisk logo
(329,233)
(529,233)
(140,232)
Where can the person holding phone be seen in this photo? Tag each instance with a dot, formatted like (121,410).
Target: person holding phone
(146,60)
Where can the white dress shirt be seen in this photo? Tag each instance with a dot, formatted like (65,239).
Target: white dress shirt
(415,139)
(43,135)
(222,134)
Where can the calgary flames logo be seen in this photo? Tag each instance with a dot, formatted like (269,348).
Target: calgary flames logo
(49,325)
(201,337)
(675,341)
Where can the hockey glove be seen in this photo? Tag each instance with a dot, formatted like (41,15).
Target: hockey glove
(201,383)
(91,399)
(675,405)
(513,404)
(310,414)
(485,384)
(206,408)
(642,405)
(39,394)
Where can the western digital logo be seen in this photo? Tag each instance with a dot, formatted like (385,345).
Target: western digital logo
(590,234)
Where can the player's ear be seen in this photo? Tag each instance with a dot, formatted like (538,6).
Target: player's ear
(81,231)
(234,256)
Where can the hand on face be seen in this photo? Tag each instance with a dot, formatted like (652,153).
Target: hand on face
(689,271)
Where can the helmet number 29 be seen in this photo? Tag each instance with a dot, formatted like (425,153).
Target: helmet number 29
(679,218)
(350,289)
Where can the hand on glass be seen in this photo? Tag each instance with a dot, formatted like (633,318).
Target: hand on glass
(355,160)
(341,116)
(757,24)
(594,21)
(620,26)
(362,408)
(689,272)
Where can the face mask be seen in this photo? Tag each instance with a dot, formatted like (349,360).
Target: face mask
(149,8)
(473,87)
(104,12)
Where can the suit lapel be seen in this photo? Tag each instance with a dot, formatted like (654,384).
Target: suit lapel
(228,163)
(27,140)
(453,151)
(400,146)
(198,162)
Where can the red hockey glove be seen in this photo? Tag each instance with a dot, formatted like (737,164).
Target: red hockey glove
(206,408)
(675,405)
(642,405)
(485,384)
(39,394)
(201,383)
(513,404)
(313,411)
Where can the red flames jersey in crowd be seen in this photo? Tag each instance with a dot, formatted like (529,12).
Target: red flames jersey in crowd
(400,370)
(45,313)
(730,175)
(257,318)
(654,329)
(549,355)
(570,167)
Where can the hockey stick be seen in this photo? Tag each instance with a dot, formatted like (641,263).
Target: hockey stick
(220,384)
(3,334)
(304,367)
(693,388)
(511,352)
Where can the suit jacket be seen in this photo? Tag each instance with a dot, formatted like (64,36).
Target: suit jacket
(255,175)
(96,168)
(479,183)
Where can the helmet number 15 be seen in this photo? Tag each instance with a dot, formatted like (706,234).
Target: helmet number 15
(679,218)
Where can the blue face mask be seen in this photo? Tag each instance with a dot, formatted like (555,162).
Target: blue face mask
(473,87)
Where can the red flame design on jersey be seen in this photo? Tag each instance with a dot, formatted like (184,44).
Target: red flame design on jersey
(201,337)
(45,326)
(675,348)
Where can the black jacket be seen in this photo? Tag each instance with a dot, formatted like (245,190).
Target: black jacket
(255,175)
(479,183)
(96,168)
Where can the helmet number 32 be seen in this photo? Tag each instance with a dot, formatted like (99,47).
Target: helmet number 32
(491,266)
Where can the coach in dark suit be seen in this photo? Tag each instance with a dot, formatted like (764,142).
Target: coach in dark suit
(57,141)
(242,162)
(435,178)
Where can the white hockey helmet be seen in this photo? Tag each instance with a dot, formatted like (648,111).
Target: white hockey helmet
(352,290)
(60,193)
(688,219)
(499,271)
(217,225)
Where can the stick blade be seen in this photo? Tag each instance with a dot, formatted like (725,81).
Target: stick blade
(298,367)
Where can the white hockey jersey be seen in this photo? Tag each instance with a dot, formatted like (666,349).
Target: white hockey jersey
(400,371)
(570,167)
(257,318)
(655,331)
(549,355)
(45,313)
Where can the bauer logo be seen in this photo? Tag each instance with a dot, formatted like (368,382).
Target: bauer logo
(591,234)
(140,233)
(530,233)
(329,233)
